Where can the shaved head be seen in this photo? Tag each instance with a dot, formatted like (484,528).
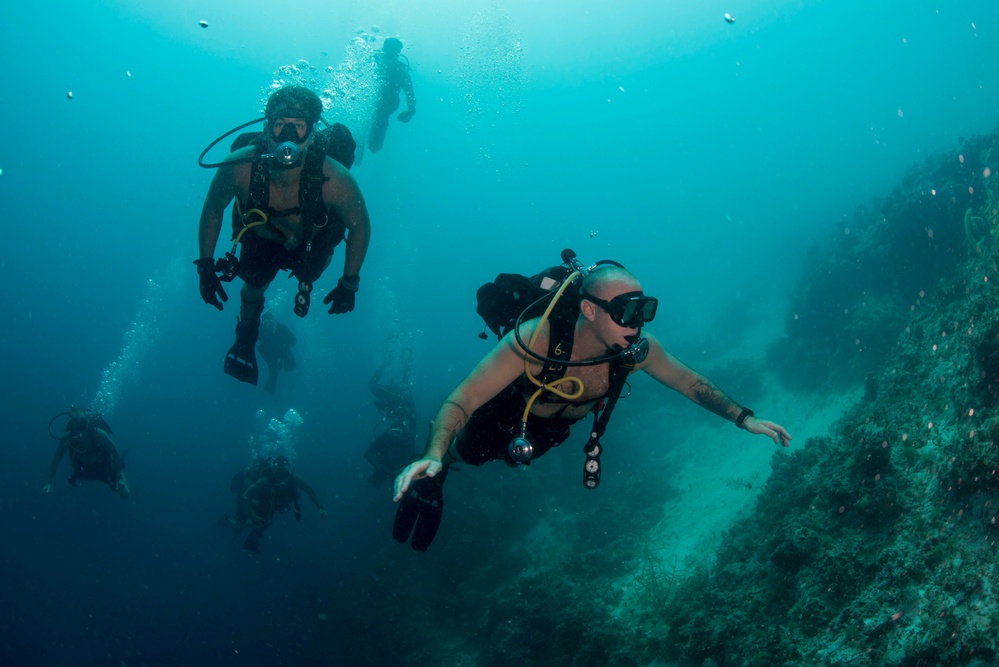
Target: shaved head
(606,282)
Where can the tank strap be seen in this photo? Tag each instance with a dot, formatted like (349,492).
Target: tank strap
(310,196)
(562,333)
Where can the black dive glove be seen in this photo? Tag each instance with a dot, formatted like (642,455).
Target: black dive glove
(342,296)
(209,283)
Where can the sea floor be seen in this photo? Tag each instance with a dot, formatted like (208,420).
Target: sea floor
(720,482)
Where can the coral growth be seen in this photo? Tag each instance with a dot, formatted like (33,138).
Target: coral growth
(876,545)
(850,308)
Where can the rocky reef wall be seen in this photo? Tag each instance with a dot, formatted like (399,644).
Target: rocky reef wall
(876,544)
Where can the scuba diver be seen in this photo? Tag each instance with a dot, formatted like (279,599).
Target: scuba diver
(546,374)
(294,205)
(393,448)
(263,489)
(92,454)
(275,342)
(393,77)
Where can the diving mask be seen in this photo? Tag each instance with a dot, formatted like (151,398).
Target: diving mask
(630,310)
(290,133)
(295,130)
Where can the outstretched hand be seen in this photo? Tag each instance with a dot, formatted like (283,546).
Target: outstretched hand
(47,488)
(775,432)
(322,513)
(405,116)
(414,471)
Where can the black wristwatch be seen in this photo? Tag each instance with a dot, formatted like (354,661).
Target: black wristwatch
(351,283)
(741,419)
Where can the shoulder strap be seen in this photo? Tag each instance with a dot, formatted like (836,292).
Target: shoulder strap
(310,195)
(260,182)
(593,449)
(562,331)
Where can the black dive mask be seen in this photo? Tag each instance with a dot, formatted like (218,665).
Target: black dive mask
(630,310)
(283,130)
(288,132)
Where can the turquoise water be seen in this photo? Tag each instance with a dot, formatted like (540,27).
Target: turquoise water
(704,155)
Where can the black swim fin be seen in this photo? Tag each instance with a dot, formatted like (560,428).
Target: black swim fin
(240,360)
(420,512)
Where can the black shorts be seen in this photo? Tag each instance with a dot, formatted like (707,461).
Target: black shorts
(260,259)
(488,433)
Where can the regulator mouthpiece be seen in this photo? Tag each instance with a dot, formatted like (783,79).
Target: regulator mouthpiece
(286,154)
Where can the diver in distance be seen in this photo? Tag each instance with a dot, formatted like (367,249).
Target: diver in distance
(92,453)
(276,342)
(268,487)
(546,374)
(392,72)
(395,445)
(294,205)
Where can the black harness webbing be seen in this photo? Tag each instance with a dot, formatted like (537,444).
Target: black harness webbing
(315,216)
(593,449)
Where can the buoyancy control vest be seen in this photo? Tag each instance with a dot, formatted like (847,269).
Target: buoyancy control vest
(336,142)
(513,298)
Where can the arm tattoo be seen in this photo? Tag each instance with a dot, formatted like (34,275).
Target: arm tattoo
(458,423)
(711,398)
(457,405)
(446,429)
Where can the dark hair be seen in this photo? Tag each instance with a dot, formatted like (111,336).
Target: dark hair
(392,45)
(294,102)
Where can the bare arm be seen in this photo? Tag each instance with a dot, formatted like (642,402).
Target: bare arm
(57,459)
(503,365)
(407,87)
(342,194)
(670,371)
(220,193)
(673,373)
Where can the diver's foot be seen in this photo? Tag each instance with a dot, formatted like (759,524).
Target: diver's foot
(420,512)
(240,360)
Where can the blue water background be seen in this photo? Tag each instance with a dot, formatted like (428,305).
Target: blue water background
(706,156)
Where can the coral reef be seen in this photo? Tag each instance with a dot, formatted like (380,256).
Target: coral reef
(847,312)
(877,544)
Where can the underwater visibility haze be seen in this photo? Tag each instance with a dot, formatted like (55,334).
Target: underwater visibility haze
(808,188)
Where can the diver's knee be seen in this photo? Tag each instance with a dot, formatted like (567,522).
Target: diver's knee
(253,294)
